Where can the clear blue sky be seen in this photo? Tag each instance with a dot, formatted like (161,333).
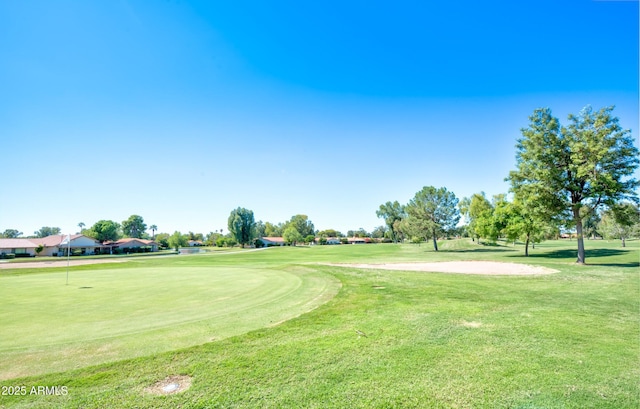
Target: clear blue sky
(181,111)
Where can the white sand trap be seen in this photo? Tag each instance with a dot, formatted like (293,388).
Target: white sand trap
(461,267)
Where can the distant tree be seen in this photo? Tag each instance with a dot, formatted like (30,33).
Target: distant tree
(153,229)
(358,233)
(260,229)
(39,249)
(212,237)
(379,232)
(522,222)
(11,234)
(162,239)
(477,211)
(392,213)
(47,231)
(590,224)
(491,222)
(272,230)
(104,230)
(330,233)
(433,211)
(81,226)
(195,236)
(225,242)
(292,235)
(134,226)
(309,239)
(577,168)
(302,224)
(620,222)
(177,240)
(242,225)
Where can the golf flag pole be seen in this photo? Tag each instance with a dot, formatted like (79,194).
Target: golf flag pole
(67,241)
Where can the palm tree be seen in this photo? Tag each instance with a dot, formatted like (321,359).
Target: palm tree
(81,225)
(153,229)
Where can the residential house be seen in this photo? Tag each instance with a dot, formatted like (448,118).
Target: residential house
(132,245)
(272,241)
(55,245)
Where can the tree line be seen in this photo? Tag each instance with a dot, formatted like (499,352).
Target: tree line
(574,176)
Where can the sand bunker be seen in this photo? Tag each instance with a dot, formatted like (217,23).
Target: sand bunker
(461,267)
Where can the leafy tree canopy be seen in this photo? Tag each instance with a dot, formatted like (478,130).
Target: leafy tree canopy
(431,212)
(302,224)
(574,169)
(392,213)
(292,236)
(620,222)
(177,240)
(104,230)
(241,225)
(134,226)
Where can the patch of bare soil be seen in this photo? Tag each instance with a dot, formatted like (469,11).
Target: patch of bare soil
(461,267)
(58,263)
(170,385)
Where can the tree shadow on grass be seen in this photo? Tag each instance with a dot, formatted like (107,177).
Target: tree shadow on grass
(589,256)
(478,250)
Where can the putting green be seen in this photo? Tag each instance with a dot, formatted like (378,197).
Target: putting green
(111,314)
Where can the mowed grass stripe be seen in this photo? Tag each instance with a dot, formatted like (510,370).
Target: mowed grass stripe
(114,314)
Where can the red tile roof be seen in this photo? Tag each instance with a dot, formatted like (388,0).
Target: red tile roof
(17,243)
(274,239)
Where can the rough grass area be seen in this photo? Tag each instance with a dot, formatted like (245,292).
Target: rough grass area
(402,339)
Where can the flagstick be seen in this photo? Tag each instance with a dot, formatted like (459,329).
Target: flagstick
(68,255)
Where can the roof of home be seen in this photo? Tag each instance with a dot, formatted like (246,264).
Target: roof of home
(274,239)
(17,243)
(54,240)
(132,239)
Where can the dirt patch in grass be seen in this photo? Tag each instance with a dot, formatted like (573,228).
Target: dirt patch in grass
(170,385)
(461,267)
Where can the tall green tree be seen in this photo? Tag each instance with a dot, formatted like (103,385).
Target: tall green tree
(134,226)
(104,230)
(302,224)
(577,168)
(433,211)
(47,231)
(81,226)
(241,225)
(392,213)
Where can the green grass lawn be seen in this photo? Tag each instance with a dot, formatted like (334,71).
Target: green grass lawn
(431,340)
